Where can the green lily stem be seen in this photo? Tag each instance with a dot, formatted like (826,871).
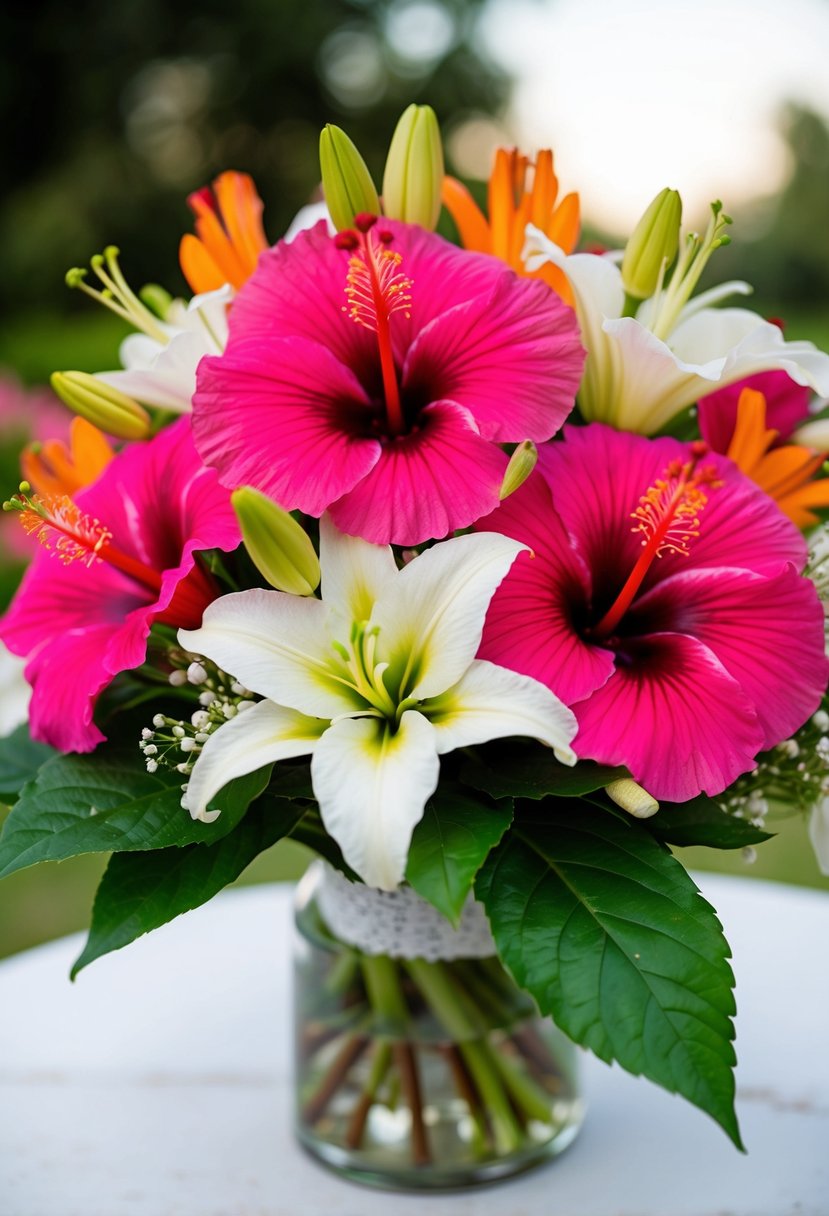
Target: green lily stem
(385,993)
(449,1005)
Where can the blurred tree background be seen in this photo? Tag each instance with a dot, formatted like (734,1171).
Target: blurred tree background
(111,113)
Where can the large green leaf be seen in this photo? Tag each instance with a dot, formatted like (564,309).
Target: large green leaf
(20,759)
(108,803)
(606,930)
(521,772)
(702,821)
(140,891)
(451,843)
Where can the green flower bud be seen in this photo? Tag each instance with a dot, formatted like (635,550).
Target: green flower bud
(346,181)
(521,464)
(279,548)
(102,405)
(653,245)
(414,169)
(631,797)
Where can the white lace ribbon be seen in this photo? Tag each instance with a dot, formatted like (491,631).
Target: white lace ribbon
(399,923)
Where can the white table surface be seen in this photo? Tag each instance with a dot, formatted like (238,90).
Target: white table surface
(159,1084)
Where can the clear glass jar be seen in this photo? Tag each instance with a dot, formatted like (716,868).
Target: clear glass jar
(413,1074)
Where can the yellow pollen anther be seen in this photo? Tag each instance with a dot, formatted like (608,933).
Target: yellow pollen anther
(62,528)
(667,515)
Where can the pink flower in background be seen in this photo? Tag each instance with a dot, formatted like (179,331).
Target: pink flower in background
(123,556)
(375,374)
(787,405)
(664,604)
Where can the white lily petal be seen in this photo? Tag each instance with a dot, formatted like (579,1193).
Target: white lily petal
(15,692)
(164,374)
(307,217)
(277,645)
(354,573)
(491,702)
(746,343)
(372,788)
(635,381)
(813,435)
(432,617)
(259,736)
(819,833)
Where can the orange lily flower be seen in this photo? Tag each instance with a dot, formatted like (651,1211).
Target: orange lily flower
(512,205)
(787,473)
(229,231)
(55,470)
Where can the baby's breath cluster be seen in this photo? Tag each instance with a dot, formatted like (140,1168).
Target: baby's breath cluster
(175,743)
(794,775)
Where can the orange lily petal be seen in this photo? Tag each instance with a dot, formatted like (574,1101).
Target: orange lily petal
(502,202)
(566,223)
(468,217)
(54,470)
(786,473)
(229,237)
(751,440)
(545,189)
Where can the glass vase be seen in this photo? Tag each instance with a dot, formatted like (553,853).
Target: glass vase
(417,1072)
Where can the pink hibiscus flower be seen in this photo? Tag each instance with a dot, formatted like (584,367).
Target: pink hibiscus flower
(787,405)
(664,603)
(123,557)
(375,373)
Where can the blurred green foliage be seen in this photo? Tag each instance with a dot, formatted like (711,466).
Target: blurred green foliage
(112,113)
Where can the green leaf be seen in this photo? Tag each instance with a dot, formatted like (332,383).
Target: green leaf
(108,803)
(608,933)
(309,831)
(520,772)
(140,891)
(451,843)
(292,781)
(702,821)
(20,759)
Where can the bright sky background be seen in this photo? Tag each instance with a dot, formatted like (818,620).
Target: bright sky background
(640,94)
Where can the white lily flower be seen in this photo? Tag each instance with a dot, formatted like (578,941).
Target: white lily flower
(819,833)
(14,691)
(160,367)
(375,681)
(641,371)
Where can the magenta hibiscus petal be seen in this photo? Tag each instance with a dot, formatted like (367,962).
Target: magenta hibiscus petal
(349,355)
(672,588)
(675,717)
(714,606)
(81,624)
(302,406)
(495,340)
(441,477)
(529,625)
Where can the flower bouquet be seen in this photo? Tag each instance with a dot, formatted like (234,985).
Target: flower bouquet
(476,566)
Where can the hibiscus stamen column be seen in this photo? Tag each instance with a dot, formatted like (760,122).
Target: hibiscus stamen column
(376,288)
(668,518)
(73,536)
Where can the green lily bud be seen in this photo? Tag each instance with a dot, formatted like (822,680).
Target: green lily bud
(414,169)
(157,299)
(631,797)
(521,464)
(102,405)
(346,181)
(279,548)
(653,245)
